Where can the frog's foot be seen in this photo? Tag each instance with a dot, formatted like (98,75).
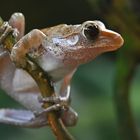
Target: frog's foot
(15,25)
(61,104)
(5,29)
(23,118)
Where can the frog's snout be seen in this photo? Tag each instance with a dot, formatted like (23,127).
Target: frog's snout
(90,30)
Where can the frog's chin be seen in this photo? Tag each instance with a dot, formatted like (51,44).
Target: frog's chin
(84,55)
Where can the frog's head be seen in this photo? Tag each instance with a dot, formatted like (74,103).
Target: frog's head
(89,40)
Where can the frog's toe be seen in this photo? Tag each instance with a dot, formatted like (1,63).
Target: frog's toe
(5,29)
(18,57)
(58,103)
(62,101)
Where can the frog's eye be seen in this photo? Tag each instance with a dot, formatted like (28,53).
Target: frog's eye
(91,31)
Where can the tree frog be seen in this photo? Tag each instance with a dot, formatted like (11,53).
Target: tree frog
(58,50)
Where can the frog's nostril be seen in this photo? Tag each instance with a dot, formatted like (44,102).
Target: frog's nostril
(91,31)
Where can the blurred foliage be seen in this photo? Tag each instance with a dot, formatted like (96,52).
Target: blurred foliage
(93,83)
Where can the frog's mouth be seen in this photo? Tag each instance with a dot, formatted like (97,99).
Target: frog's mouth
(110,40)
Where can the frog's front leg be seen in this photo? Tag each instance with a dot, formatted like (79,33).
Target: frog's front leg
(29,43)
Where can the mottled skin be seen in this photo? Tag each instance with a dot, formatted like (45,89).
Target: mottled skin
(58,50)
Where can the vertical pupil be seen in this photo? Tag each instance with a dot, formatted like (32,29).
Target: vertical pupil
(91,32)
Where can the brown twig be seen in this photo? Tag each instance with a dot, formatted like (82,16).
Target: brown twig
(125,73)
(46,90)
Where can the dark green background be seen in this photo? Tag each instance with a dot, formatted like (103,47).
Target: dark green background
(93,83)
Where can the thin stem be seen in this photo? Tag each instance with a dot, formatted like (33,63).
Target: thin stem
(125,73)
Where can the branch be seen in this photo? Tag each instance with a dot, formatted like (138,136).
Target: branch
(125,72)
(46,90)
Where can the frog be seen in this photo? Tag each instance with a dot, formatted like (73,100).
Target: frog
(59,51)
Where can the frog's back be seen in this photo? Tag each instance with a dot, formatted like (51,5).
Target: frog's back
(59,30)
